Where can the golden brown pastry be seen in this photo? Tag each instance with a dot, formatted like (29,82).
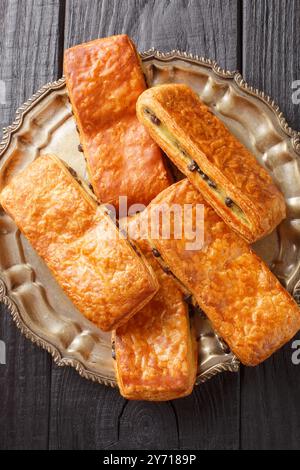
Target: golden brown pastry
(99,270)
(156,351)
(104,79)
(217,164)
(244,301)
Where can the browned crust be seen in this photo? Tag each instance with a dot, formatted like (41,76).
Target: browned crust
(105,278)
(219,154)
(156,352)
(246,304)
(104,79)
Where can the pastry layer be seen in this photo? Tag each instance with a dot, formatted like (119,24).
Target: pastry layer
(156,353)
(244,301)
(104,79)
(216,163)
(100,271)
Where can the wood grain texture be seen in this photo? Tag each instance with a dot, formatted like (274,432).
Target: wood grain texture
(94,416)
(90,416)
(29,51)
(84,415)
(210,417)
(206,28)
(29,33)
(270,411)
(24,390)
(271,43)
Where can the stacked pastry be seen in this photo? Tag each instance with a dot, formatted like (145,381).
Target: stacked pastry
(139,287)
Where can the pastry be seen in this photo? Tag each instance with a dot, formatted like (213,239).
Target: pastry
(246,304)
(104,79)
(216,163)
(156,351)
(99,270)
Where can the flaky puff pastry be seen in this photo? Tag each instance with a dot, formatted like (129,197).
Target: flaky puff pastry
(244,301)
(104,79)
(217,164)
(99,270)
(156,351)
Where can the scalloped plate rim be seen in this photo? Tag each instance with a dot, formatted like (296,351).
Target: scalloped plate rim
(9,131)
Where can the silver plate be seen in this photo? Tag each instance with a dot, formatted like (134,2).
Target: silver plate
(45,124)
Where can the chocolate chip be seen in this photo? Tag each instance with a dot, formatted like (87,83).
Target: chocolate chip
(192,166)
(228,202)
(113,351)
(188,298)
(73,172)
(155,120)
(203,175)
(80,149)
(135,248)
(166,269)
(212,184)
(155,253)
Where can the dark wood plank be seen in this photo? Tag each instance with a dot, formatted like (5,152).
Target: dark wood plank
(29,35)
(270,412)
(210,417)
(271,42)
(24,390)
(205,28)
(29,50)
(85,415)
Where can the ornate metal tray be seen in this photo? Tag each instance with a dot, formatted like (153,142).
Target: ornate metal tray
(45,124)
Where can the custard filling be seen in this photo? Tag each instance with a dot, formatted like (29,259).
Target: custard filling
(194,167)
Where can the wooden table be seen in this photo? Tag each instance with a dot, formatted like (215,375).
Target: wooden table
(43,406)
